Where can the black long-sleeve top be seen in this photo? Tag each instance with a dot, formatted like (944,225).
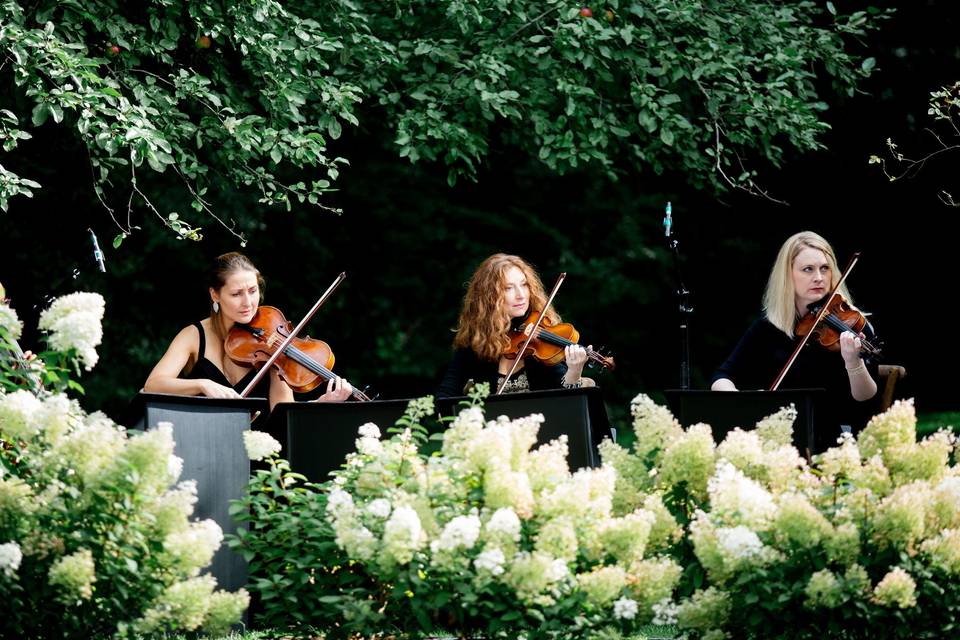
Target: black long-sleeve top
(466,366)
(763,351)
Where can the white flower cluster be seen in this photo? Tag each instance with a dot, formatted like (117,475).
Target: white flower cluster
(19,414)
(10,324)
(260,445)
(10,558)
(74,322)
(501,513)
(736,499)
(369,441)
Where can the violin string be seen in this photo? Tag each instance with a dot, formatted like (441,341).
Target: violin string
(304,359)
(547,336)
(842,326)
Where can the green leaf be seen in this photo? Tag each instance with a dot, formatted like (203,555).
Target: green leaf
(39,114)
(868,64)
(334,129)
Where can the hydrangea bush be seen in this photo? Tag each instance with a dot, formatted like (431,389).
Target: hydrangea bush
(865,542)
(488,537)
(95,537)
(71,327)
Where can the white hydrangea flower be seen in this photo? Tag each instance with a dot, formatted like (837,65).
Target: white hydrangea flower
(368,447)
(402,535)
(58,416)
(174,467)
(194,546)
(558,570)
(739,543)
(506,523)
(19,414)
(10,558)
(665,612)
(736,499)
(369,430)
(10,322)
(897,589)
(625,609)
(339,503)
(260,445)
(491,561)
(354,538)
(74,322)
(75,573)
(379,508)
(743,449)
(461,532)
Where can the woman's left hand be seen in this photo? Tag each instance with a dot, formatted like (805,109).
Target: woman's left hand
(338,390)
(576,357)
(850,349)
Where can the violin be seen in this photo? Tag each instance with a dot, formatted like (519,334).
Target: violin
(841,316)
(548,344)
(304,364)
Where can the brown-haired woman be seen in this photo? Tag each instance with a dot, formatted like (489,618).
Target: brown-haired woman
(195,362)
(501,294)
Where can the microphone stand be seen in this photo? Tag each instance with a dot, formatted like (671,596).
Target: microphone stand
(683,295)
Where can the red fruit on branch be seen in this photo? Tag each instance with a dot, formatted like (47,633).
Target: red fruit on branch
(204,42)
(586,12)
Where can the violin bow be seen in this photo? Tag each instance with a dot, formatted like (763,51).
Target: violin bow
(820,316)
(293,334)
(531,334)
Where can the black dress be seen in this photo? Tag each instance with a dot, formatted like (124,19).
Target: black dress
(466,366)
(206,370)
(763,351)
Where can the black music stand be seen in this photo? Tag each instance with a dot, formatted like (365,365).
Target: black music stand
(208,435)
(318,436)
(727,410)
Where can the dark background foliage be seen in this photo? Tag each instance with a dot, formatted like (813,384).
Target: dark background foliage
(409,242)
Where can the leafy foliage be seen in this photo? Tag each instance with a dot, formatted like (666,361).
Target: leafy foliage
(251,95)
(95,543)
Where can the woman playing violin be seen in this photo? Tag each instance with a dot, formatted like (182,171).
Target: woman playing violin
(803,274)
(195,362)
(502,292)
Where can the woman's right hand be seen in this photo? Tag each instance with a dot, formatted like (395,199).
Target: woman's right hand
(211,389)
(723,384)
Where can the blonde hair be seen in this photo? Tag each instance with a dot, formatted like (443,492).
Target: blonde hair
(484,322)
(779,299)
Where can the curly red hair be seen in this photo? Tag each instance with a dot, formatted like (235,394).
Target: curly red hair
(484,322)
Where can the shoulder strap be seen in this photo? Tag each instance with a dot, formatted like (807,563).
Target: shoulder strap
(202,353)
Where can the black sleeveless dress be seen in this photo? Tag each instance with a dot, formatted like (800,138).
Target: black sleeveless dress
(204,369)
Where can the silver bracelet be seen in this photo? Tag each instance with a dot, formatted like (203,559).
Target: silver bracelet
(860,367)
(573,385)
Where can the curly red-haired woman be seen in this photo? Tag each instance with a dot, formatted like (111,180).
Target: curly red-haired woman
(501,294)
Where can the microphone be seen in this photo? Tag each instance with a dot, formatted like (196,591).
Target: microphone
(668,221)
(97,254)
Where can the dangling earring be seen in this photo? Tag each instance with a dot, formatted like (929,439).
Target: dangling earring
(216,307)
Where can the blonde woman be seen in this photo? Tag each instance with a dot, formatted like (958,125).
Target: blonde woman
(196,364)
(501,294)
(804,272)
